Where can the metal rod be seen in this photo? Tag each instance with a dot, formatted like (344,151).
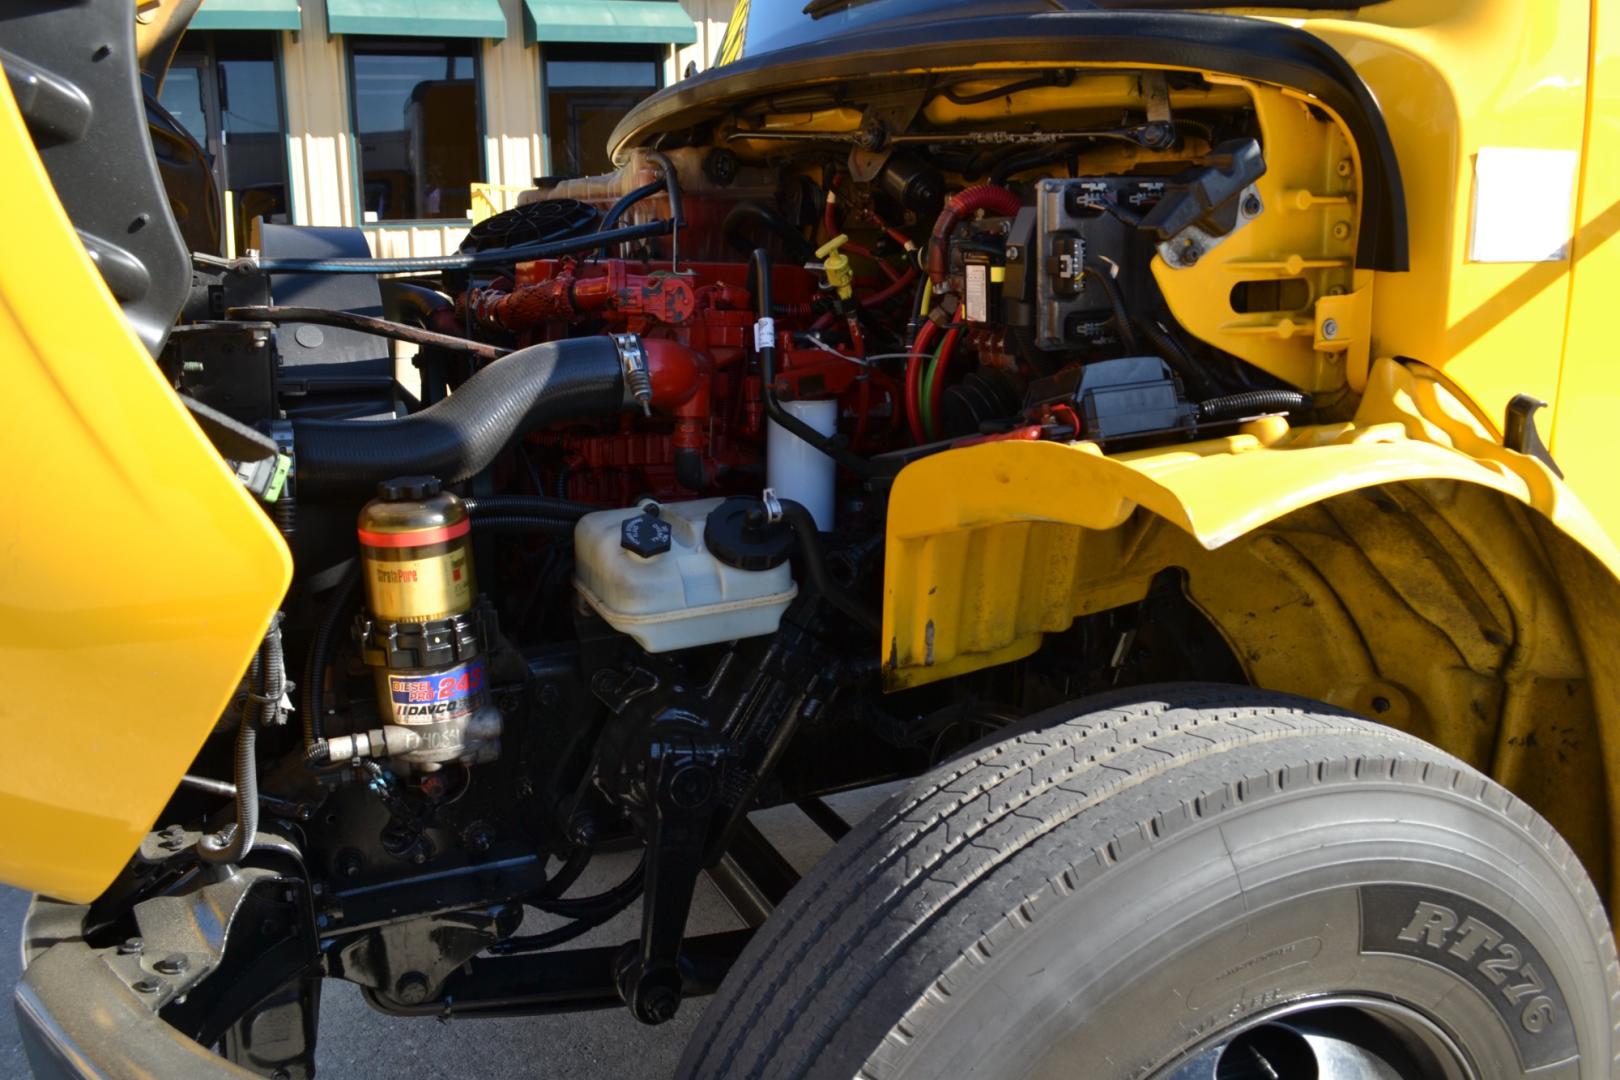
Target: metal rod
(221,788)
(369,324)
(824,817)
(752,875)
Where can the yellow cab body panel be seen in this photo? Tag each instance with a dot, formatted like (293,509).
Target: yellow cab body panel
(136,576)
(1401,562)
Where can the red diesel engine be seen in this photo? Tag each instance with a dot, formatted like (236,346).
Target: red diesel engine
(696,321)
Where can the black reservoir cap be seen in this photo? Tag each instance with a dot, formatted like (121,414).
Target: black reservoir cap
(737,534)
(401,488)
(646,534)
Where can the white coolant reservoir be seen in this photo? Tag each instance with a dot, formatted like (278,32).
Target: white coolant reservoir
(649,573)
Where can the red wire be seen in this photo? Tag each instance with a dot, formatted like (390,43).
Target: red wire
(936,397)
(861,251)
(1074,420)
(857,340)
(914,363)
(898,286)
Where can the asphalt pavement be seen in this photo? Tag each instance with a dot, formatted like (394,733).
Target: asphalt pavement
(357,1043)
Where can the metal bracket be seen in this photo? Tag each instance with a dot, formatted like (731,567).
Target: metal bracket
(1519,432)
(773,506)
(637,375)
(1159,133)
(685,777)
(873,145)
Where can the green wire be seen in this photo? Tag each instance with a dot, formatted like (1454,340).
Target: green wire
(927,391)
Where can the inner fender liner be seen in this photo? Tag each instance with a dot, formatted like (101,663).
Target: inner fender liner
(459,436)
(1248,48)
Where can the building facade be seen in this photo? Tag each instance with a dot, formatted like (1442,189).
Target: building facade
(412,118)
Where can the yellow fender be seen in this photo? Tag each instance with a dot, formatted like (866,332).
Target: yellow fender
(136,576)
(1403,564)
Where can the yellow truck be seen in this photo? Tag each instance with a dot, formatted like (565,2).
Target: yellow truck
(1172,439)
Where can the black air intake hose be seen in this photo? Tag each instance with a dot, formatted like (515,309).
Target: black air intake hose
(456,438)
(1252,403)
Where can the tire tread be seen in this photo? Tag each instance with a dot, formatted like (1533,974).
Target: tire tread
(901,871)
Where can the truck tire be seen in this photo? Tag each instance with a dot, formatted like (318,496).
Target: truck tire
(1182,881)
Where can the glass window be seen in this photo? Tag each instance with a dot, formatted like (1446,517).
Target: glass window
(416,120)
(588,90)
(182,95)
(255,133)
(225,88)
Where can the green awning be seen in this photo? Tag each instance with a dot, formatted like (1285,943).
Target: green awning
(417,18)
(246,15)
(628,22)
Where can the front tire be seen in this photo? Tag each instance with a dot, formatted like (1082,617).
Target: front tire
(1178,882)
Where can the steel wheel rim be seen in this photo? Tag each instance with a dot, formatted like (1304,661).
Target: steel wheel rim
(1338,1037)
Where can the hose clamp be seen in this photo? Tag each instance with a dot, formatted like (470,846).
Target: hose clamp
(637,375)
(773,506)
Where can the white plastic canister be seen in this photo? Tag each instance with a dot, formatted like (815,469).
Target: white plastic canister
(799,471)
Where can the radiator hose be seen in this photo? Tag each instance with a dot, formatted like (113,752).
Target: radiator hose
(458,437)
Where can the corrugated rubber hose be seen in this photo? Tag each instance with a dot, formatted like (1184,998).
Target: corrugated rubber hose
(458,437)
(1252,403)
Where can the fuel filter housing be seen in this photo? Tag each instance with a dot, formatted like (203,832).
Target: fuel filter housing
(422,633)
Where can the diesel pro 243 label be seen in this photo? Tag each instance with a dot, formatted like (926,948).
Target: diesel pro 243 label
(427,698)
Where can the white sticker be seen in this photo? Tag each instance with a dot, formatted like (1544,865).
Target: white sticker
(764,333)
(976,295)
(1523,205)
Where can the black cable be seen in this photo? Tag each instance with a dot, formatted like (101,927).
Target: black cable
(744,213)
(606,906)
(856,464)
(266,682)
(616,211)
(672,184)
(583,907)
(496,257)
(1116,302)
(914,321)
(563,880)
(1252,402)
(809,538)
(1198,382)
(1015,163)
(533,505)
(487,522)
(406,300)
(320,655)
(1001,91)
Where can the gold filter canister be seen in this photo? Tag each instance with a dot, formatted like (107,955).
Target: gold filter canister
(414,552)
(422,636)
